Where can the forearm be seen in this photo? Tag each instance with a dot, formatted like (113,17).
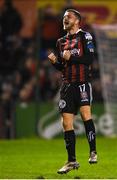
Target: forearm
(59,66)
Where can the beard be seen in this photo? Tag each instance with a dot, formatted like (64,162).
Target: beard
(67,26)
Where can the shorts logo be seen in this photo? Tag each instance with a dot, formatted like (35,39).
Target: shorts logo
(84,96)
(62,103)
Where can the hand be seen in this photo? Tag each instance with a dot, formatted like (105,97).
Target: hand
(52,58)
(66,55)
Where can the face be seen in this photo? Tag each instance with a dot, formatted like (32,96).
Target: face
(69,20)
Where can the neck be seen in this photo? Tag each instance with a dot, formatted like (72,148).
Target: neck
(73,30)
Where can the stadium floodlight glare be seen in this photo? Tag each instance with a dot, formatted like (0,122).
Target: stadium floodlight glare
(106,37)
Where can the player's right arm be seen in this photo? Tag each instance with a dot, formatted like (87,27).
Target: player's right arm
(52,58)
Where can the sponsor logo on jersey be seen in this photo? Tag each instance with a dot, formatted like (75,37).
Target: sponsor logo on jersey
(75,51)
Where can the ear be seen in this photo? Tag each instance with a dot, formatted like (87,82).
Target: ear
(77,21)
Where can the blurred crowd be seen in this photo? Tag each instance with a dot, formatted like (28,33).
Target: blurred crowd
(25,72)
(17,65)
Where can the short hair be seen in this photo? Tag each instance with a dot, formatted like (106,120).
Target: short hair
(77,13)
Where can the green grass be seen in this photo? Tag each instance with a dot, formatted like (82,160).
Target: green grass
(38,159)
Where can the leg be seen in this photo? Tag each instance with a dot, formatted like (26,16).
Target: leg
(68,108)
(69,137)
(67,121)
(85,112)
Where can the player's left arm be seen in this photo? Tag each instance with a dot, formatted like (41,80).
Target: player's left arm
(88,52)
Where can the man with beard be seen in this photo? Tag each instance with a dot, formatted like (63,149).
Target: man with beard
(74,57)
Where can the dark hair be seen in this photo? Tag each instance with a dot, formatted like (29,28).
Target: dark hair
(77,13)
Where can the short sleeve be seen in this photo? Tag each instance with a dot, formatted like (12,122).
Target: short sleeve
(89,42)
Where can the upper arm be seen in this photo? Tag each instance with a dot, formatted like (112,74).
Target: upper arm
(58,50)
(88,43)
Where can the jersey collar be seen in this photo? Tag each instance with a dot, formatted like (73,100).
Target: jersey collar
(70,35)
(78,31)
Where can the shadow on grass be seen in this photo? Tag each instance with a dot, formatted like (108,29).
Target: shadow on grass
(77,177)
(40,177)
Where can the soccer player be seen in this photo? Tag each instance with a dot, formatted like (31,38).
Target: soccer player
(74,56)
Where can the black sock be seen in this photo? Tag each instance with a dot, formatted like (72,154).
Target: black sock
(70,142)
(91,135)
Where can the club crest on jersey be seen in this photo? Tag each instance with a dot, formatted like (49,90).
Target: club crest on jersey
(62,104)
(88,36)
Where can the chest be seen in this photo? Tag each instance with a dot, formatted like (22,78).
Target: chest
(74,45)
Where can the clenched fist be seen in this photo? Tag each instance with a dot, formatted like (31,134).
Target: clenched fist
(52,58)
(66,55)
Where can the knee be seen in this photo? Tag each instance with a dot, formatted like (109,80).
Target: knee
(85,116)
(67,124)
(85,113)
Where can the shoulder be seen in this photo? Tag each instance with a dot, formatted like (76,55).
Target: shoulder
(88,41)
(62,38)
(86,35)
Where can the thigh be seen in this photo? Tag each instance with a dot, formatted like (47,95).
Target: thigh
(66,103)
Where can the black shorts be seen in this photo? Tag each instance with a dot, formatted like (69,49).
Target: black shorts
(73,96)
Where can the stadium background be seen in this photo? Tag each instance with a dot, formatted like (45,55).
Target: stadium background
(29,93)
(28,83)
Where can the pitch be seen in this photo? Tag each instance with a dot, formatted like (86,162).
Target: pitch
(40,159)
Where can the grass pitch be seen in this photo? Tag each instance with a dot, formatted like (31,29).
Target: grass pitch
(40,159)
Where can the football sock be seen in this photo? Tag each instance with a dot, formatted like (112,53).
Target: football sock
(90,133)
(70,141)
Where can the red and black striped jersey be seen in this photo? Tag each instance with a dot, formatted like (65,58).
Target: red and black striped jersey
(77,69)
